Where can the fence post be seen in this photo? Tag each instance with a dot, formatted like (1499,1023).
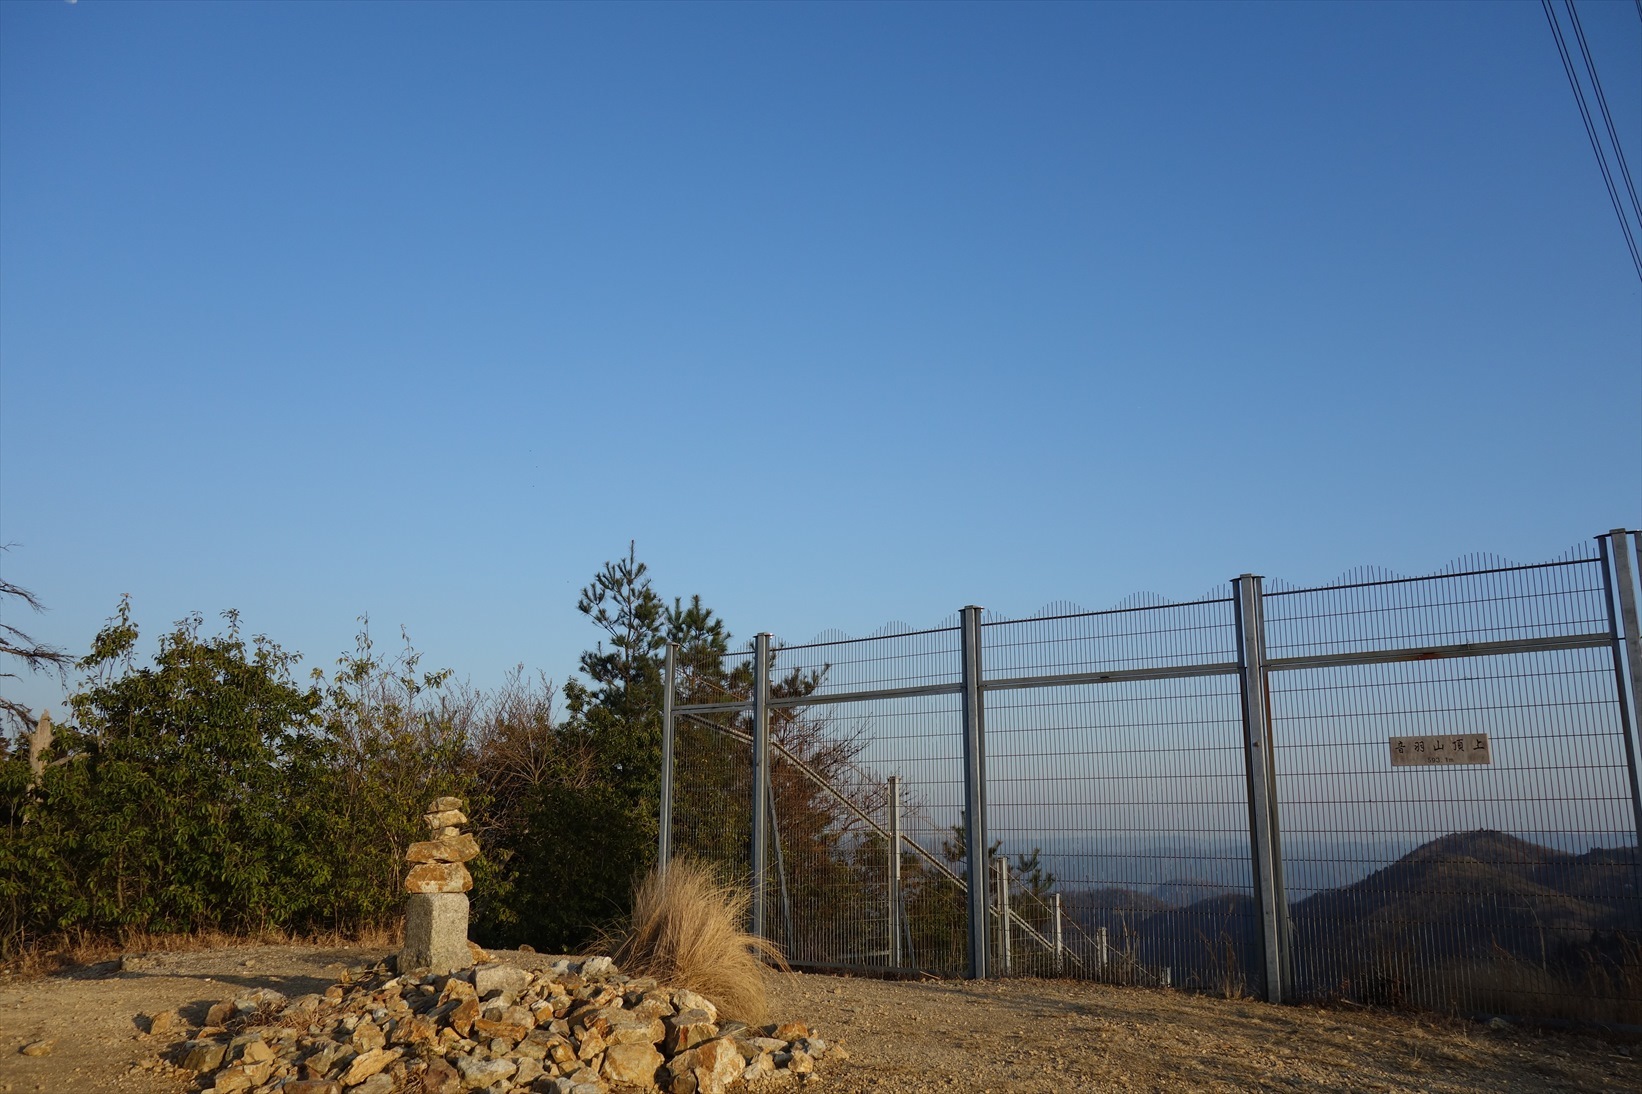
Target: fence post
(1260,769)
(761,779)
(1627,653)
(780,866)
(1005,949)
(894,886)
(975,792)
(664,840)
(1102,955)
(1060,951)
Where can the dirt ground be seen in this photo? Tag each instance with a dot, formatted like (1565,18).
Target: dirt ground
(1019,1035)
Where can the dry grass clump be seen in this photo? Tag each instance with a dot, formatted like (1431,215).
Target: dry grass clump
(686,932)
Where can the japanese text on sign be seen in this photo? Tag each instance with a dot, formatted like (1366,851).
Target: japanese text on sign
(1456,748)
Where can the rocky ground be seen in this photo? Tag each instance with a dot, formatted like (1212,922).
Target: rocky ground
(85,1030)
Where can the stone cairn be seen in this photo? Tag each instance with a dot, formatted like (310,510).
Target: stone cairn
(440,1024)
(576,1027)
(436,912)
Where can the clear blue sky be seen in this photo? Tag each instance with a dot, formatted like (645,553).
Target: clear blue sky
(846,313)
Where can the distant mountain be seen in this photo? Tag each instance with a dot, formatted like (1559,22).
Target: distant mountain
(1183,891)
(1477,920)
(1117,909)
(1474,898)
(1141,863)
(1213,945)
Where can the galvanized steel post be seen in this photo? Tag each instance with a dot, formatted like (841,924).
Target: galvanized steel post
(1060,949)
(1004,948)
(761,780)
(664,839)
(780,864)
(1265,852)
(894,886)
(1625,578)
(1627,655)
(975,792)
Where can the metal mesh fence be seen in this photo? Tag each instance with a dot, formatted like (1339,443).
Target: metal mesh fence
(712,791)
(1153,636)
(1122,754)
(1477,603)
(1502,887)
(1129,800)
(907,660)
(1126,797)
(831,764)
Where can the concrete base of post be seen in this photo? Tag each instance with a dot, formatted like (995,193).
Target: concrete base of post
(436,932)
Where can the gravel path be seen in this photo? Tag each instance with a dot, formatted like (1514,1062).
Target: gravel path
(1028,1036)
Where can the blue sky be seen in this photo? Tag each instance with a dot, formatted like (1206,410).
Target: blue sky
(846,313)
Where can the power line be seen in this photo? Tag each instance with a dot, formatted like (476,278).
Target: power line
(1602,105)
(1590,131)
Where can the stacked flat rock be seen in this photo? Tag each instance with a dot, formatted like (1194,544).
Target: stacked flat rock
(437,863)
(576,1028)
(436,912)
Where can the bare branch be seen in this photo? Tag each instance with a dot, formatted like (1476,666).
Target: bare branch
(36,656)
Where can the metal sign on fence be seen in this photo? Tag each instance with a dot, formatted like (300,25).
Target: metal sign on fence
(1459,748)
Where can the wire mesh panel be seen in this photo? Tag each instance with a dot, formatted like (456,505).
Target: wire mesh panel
(712,761)
(712,792)
(1145,636)
(708,678)
(831,893)
(830,767)
(850,665)
(1506,887)
(1127,799)
(1476,602)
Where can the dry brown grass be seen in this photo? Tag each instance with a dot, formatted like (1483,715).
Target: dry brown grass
(54,953)
(685,930)
(1508,985)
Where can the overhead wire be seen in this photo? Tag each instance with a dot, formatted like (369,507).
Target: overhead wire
(1590,131)
(1602,105)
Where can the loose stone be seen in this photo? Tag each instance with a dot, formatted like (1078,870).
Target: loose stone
(477,1073)
(161,1023)
(438,877)
(498,1029)
(197,1055)
(367,1064)
(706,1069)
(633,1064)
(444,849)
(498,978)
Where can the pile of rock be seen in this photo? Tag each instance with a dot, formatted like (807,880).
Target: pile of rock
(436,912)
(575,1028)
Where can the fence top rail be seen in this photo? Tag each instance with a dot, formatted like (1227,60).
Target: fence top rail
(1109,611)
(1167,604)
(819,642)
(1269,594)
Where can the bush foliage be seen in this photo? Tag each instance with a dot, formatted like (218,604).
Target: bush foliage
(216,789)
